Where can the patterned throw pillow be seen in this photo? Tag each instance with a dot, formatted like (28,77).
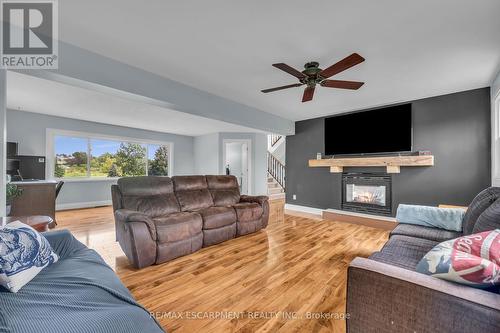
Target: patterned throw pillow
(473,260)
(23,254)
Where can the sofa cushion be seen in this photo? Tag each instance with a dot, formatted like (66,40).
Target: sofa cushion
(153,196)
(192,192)
(478,205)
(404,251)
(248,211)
(224,189)
(145,185)
(429,233)
(216,217)
(219,235)
(177,226)
(489,219)
(473,260)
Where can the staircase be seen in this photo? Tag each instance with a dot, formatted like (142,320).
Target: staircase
(273,187)
(275,168)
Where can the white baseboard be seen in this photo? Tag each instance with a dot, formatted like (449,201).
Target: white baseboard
(77,205)
(304,209)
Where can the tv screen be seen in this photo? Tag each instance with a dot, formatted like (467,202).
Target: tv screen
(379,131)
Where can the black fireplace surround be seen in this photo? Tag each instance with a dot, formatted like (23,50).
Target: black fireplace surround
(368,193)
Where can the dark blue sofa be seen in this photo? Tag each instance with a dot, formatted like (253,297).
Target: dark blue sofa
(79,293)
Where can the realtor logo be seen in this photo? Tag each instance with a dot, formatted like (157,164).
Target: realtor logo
(29,34)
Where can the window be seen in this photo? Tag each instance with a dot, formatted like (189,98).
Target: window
(78,156)
(71,157)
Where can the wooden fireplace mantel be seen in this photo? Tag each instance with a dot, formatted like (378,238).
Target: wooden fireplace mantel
(392,163)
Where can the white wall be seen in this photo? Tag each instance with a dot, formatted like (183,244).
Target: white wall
(206,154)
(29,130)
(259,159)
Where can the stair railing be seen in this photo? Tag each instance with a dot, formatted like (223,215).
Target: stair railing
(276,169)
(274,139)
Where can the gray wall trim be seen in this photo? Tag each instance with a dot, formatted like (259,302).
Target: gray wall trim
(92,71)
(454,127)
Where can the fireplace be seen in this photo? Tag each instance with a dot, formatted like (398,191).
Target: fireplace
(367,193)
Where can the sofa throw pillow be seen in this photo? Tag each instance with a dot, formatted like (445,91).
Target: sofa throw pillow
(23,254)
(473,260)
(434,217)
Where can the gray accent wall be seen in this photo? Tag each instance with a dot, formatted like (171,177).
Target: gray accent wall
(454,127)
(29,130)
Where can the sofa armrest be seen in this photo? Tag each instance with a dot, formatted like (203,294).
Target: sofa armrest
(386,298)
(127,216)
(263,201)
(260,199)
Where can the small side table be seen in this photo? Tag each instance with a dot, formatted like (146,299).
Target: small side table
(38,222)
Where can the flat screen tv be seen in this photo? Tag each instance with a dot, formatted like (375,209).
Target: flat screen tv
(387,130)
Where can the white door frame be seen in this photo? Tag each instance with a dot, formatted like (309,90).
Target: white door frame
(249,159)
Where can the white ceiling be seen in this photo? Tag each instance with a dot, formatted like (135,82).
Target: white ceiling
(413,49)
(28,93)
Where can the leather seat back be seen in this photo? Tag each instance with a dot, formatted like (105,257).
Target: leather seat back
(224,190)
(192,192)
(151,195)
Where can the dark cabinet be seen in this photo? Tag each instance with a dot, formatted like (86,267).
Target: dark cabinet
(38,198)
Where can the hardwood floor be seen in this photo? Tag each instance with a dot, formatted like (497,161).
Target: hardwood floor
(265,282)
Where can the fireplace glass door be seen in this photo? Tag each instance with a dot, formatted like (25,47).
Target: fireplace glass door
(367,193)
(374,195)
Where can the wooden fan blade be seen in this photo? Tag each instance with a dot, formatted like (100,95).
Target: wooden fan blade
(282,87)
(342,65)
(354,85)
(290,70)
(308,94)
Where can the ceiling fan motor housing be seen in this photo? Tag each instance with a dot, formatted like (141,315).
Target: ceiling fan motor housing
(312,71)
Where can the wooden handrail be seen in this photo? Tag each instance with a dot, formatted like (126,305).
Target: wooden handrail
(274,139)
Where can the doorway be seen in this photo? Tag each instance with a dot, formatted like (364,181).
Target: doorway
(237,161)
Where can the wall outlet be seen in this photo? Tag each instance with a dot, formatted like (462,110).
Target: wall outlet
(294,197)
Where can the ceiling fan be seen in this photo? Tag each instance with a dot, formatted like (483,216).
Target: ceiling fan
(313,75)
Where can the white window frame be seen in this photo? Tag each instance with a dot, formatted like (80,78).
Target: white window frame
(495,146)
(51,133)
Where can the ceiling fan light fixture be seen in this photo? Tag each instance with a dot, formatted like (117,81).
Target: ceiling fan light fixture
(313,75)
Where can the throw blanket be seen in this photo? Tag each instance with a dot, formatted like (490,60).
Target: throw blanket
(443,218)
(79,293)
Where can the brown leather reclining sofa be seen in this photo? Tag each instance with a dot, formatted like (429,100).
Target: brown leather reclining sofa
(160,218)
